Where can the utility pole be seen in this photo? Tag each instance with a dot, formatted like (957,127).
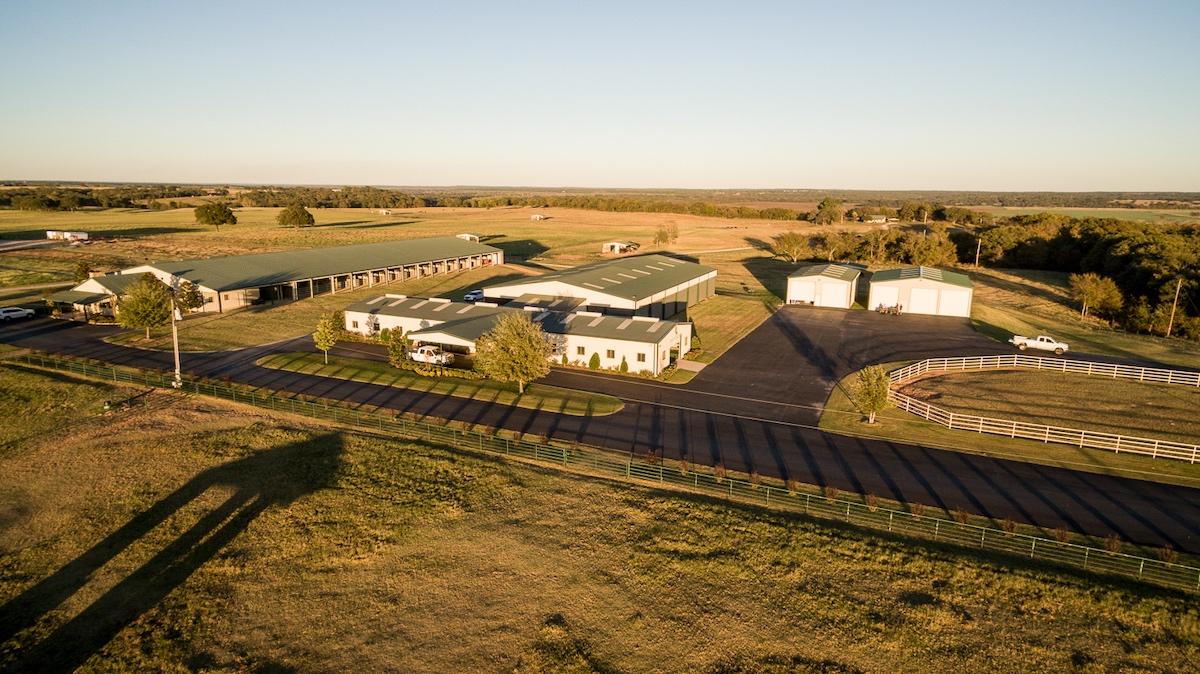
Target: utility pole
(175,318)
(1174,303)
(978,247)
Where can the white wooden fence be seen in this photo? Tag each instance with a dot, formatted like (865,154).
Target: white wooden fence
(1165,449)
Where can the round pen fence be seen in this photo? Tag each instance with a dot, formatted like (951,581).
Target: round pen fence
(1159,449)
(796,499)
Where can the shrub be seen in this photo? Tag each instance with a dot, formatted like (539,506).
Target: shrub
(1008,525)
(831,492)
(594,362)
(755,479)
(683,466)
(565,362)
(1112,544)
(1168,554)
(872,502)
(1062,535)
(793,485)
(917,509)
(719,472)
(961,516)
(624,367)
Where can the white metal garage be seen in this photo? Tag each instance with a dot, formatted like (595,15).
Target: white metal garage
(922,290)
(823,285)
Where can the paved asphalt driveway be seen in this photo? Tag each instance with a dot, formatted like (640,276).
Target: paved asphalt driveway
(754,410)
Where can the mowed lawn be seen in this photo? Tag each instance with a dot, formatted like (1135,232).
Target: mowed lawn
(1068,400)
(188,534)
(1042,399)
(536,396)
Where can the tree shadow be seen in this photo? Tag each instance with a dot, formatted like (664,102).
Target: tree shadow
(274,477)
(520,249)
(771,272)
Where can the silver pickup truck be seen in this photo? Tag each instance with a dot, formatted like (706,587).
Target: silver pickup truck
(1042,342)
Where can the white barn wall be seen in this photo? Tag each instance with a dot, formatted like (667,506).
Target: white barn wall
(904,289)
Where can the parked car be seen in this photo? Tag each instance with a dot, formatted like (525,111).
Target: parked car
(10,313)
(1041,342)
(474,295)
(430,354)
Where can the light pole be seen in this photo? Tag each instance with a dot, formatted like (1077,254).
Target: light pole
(176,316)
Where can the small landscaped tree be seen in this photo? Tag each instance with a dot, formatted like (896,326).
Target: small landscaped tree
(870,391)
(594,362)
(515,349)
(792,246)
(147,304)
(81,271)
(188,297)
(398,345)
(215,214)
(329,329)
(294,216)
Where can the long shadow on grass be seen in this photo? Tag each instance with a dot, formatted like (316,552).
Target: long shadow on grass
(273,477)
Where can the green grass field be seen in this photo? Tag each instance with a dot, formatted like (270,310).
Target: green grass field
(537,396)
(285,545)
(1073,401)
(1030,303)
(841,416)
(1166,216)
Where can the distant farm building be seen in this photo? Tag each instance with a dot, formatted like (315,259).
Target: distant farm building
(823,285)
(539,216)
(467,236)
(644,344)
(618,247)
(647,285)
(242,280)
(922,290)
(66,236)
(876,219)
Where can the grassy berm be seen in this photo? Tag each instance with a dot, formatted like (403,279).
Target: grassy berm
(185,534)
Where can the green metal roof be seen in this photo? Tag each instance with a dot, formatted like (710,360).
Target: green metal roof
(928,273)
(116,283)
(469,322)
(835,271)
(263,269)
(79,297)
(633,278)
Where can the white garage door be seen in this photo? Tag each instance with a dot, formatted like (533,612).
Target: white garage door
(922,301)
(834,295)
(956,303)
(802,291)
(887,296)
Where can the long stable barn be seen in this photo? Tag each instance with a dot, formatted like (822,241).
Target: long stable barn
(241,280)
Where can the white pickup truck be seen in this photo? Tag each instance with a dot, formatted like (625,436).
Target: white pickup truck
(1042,342)
(430,354)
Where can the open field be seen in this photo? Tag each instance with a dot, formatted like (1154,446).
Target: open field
(1165,216)
(568,237)
(1074,401)
(537,396)
(841,416)
(218,537)
(1009,302)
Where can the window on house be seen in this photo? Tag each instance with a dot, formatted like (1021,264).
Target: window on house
(354,323)
(580,351)
(611,353)
(641,357)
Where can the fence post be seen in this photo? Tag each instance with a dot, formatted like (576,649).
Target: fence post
(891,515)
(1032,548)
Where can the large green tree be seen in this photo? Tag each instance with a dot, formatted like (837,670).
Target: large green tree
(792,246)
(215,215)
(147,304)
(295,216)
(1095,293)
(515,349)
(188,297)
(830,211)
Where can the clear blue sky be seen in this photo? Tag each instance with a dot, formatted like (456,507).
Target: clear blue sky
(889,95)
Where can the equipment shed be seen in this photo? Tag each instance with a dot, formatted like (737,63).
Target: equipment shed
(922,290)
(823,285)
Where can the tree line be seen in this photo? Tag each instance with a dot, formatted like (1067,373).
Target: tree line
(71,198)
(1127,273)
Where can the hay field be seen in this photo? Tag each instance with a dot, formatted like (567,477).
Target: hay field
(187,534)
